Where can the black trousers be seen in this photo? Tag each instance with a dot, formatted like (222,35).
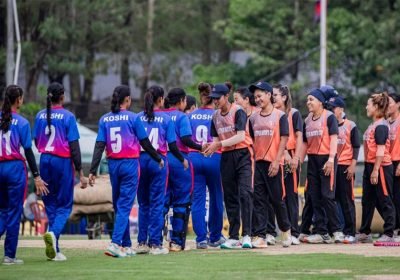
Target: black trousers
(268,189)
(292,200)
(378,196)
(271,222)
(237,183)
(345,198)
(307,215)
(322,192)
(396,194)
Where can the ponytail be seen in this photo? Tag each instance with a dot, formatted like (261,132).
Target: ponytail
(12,93)
(118,97)
(381,101)
(150,99)
(48,112)
(54,93)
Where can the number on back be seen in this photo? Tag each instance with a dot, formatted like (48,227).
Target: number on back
(202,134)
(49,146)
(116,139)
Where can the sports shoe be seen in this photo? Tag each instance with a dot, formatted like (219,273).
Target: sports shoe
(158,250)
(50,241)
(385,238)
(114,250)
(231,244)
(338,237)
(173,247)
(319,239)
(12,261)
(364,238)
(258,242)
(270,239)
(286,238)
(59,257)
(142,248)
(396,233)
(303,237)
(246,242)
(349,239)
(295,240)
(202,245)
(129,251)
(217,243)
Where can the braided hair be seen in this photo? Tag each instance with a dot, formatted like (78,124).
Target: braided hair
(12,93)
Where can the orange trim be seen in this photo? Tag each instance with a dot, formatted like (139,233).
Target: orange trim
(332,181)
(306,185)
(295,180)
(383,181)
(283,183)
(252,166)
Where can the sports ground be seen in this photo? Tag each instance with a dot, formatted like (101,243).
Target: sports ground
(87,261)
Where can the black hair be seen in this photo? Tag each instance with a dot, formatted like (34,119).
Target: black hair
(175,96)
(246,93)
(395,97)
(118,97)
(205,91)
(151,96)
(190,101)
(285,91)
(12,93)
(54,93)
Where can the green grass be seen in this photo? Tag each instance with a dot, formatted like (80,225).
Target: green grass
(92,264)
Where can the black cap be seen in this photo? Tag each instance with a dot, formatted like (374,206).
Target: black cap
(219,90)
(262,86)
(336,102)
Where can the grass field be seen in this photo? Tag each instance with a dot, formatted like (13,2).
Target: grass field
(195,264)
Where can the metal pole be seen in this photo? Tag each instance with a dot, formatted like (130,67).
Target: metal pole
(10,43)
(323,61)
(16,21)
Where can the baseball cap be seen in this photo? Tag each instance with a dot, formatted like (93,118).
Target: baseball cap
(261,85)
(219,90)
(336,102)
(329,91)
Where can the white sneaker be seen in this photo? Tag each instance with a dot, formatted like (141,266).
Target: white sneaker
(173,247)
(116,251)
(158,250)
(12,261)
(303,237)
(315,239)
(258,242)
(295,240)
(385,238)
(142,248)
(231,244)
(338,237)
(246,242)
(349,239)
(286,238)
(51,243)
(129,251)
(59,257)
(270,239)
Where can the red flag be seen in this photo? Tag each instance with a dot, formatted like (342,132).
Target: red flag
(317,10)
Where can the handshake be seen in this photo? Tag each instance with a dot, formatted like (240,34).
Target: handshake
(208,149)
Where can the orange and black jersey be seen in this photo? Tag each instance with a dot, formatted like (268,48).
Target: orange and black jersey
(348,142)
(295,125)
(226,126)
(317,132)
(266,131)
(394,137)
(376,134)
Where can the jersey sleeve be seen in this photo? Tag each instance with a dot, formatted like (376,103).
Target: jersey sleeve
(355,138)
(139,129)
(283,126)
(72,129)
(171,135)
(381,134)
(332,123)
(35,128)
(213,131)
(185,129)
(297,122)
(25,136)
(304,133)
(101,134)
(240,120)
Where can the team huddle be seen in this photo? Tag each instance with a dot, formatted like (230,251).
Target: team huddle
(246,154)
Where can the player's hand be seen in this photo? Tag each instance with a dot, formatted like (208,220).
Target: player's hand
(328,168)
(161,164)
(294,164)
(204,147)
(374,177)
(41,186)
(273,168)
(288,158)
(92,179)
(185,164)
(213,147)
(350,171)
(397,171)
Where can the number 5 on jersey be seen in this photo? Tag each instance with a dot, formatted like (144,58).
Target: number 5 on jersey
(116,139)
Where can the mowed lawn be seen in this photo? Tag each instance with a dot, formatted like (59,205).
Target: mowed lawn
(92,264)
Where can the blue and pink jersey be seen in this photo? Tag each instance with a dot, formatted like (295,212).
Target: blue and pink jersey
(161,130)
(200,120)
(182,127)
(63,130)
(121,132)
(18,134)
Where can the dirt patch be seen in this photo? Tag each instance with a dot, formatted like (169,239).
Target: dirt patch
(354,249)
(378,277)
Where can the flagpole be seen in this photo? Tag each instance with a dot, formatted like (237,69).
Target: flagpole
(323,62)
